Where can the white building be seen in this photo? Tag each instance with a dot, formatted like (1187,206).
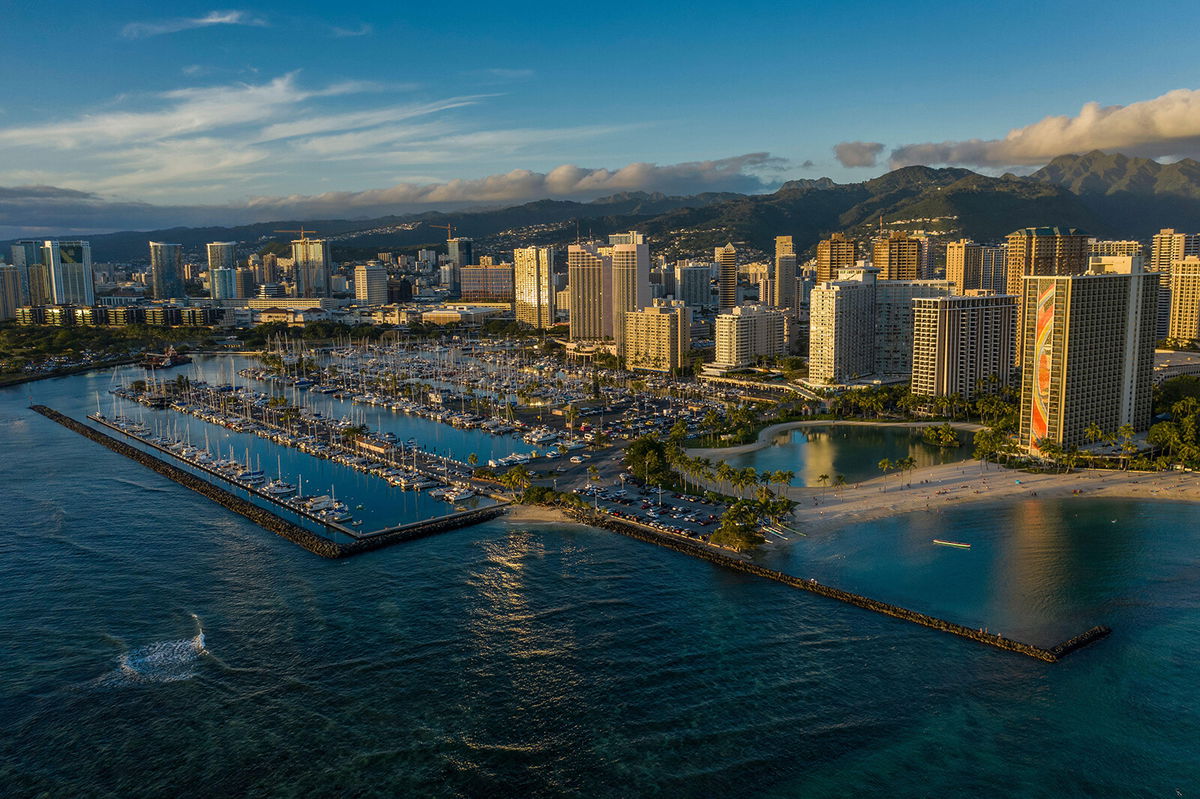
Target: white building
(533,286)
(658,337)
(841,345)
(370,284)
(748,332)
(962,343)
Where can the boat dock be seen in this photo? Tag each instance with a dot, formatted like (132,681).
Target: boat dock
(265,518)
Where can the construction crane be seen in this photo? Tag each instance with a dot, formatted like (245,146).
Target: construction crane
(448,228)
(302,231)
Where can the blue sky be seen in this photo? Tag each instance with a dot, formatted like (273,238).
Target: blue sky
(277,106)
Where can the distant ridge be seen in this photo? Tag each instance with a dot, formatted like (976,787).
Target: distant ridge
(1106,195)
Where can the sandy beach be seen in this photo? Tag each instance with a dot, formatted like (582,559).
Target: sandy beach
(536,514)
(766,435)
(933,489)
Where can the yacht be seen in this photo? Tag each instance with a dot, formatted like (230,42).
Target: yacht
(458,495)
(278,488)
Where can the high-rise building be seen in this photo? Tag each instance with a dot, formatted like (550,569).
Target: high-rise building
(841,344)
(311,266)
(222,254)
(1044,251)
(693,284)
(34,278)
(897,257)
(727,277)
(975,267)
(1089,346)
(10,292)
(749,332)
(1184,325)
(963,344)
(658,337)
(246,282)
(630,280)
(166,270)
(1167,247)
(69,265)
(894,322)
(833,254)
(370,284)
(783,277)
(533,286)
(1041,251)
(481,283)
(589,278)
(222,283)
(460,251)
(1128,247)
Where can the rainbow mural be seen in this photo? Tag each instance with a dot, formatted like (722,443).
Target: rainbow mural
(1039,412)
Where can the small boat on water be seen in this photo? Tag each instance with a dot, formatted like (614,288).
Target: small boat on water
(955,544)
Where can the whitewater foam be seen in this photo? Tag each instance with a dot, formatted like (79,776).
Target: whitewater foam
(160,662)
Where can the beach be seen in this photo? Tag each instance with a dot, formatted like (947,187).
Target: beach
(935,488)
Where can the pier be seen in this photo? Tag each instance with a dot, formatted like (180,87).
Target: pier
(705,552)
(268,520)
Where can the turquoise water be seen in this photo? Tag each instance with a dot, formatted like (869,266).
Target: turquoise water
(850,450)
(549,660)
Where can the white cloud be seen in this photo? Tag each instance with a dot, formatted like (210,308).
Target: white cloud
(1162,127)
(26,209)
(858,153)
(141,30)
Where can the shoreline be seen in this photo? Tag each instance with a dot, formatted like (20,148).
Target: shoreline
(765,435)
(935,488)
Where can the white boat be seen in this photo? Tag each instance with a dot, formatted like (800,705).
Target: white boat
(458,495)
(278,488)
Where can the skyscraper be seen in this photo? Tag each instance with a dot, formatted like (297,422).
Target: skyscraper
(166,270)
(1089,350)
(975,267)
(10,292)
(963,342)
(69,265)
(222,255)
(897,257)
(1044,251)
(222,283)
(459,251)
(841,345)
(894,322)
(1184,325)
(833,253)
(589,277)
(658,337)
(1040,251)
(486,283)
(533,286)
(783,277)
(693,284)
(727,277)
(1167,247)
(311,267)
(370,284)
(33,277)
(630,280)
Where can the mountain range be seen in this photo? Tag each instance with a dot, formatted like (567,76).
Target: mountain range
(1107,195)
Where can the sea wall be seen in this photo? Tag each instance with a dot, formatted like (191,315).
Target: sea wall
(265,518)
(714,555)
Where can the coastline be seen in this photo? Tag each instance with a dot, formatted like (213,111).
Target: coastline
(767,433)
(934,488)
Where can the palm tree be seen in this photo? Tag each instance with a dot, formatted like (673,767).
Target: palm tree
(724,473)
(822,479)
(885,466)
(472,459)
(839,480)
(1093,432)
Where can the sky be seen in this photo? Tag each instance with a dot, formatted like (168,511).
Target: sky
(124,115)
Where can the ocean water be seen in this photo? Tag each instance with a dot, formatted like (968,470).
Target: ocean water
(152,644)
